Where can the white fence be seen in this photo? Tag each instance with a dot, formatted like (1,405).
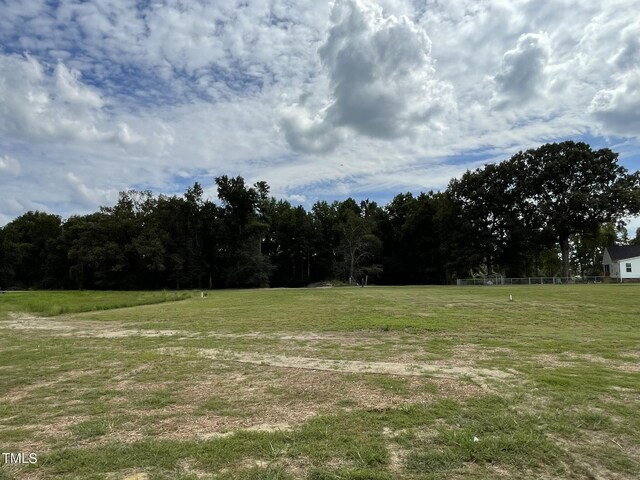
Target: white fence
(498,280)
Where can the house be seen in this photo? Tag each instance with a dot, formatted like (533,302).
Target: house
(622,262)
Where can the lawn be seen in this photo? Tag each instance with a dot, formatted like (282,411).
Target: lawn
(337,383)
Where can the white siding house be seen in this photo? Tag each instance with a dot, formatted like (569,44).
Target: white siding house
(622,262)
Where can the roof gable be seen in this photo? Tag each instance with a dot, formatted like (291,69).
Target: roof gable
(619,252)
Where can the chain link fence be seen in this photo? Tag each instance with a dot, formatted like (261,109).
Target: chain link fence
(499,280)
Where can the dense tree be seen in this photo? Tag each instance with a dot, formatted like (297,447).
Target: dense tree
(289,244)
(424,238)
(588,249)
(25,246)
(414,240)
(397,253)
(569,189)
(495,218)
(244,221)
(325,240)
(534,214)
(522,207)
(93,253)
(359,245)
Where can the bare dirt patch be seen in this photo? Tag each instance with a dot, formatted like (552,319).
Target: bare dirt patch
(580,460)
(25,391)
(112,330)
(274,400)
(571,359)
(472,352)
(48,430)
(129,476)
(438,368)
(83,328)
(284,392)
(265,399)
(397,455)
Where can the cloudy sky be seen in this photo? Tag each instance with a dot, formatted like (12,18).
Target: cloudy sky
(321,99)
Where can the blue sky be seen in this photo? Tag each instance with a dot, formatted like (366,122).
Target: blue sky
(323,100)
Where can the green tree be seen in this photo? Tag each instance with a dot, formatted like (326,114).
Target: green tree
(495,219)
(26,244)
(410,232)
(244,220)
(324,240)
(358,242)
(571,189)
(289,244)
(587,251)
(95,255)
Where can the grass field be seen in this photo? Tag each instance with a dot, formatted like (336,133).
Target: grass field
(342,383)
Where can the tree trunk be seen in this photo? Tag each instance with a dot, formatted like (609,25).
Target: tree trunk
(564,245)
(352,267)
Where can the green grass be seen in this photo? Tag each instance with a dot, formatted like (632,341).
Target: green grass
(388,383)
(158,399)
(91,428)
(50,303)
(545,386)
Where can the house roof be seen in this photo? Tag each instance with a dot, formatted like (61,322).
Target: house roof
(619,252)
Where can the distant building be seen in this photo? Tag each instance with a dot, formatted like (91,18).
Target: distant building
(622,262)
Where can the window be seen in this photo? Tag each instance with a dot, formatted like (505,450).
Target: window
(606,269)
(628,265)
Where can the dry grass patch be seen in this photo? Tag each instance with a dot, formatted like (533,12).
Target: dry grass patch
(436,368)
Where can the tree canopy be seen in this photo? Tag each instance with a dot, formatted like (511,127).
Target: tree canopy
(545,211)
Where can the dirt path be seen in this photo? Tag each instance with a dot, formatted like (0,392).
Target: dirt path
(462,363)
(452,368)
(92,329)
(83,328)
(436,368)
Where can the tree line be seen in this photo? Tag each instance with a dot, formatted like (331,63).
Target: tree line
(544,212)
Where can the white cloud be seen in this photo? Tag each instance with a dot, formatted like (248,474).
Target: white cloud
(523,74)
(628,55)
(70,90)
(14,206)
(35,104)
(381,77)
(310,135)
(402,93)
(616,105)
(297,198)
(9,165)
(618,108)
(85,196)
